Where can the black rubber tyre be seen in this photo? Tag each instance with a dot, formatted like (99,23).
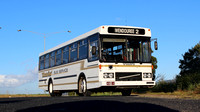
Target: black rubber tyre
(50,89)
(82,87)
(126,92)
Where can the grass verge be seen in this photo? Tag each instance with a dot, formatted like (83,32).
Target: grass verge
(23,95)
(176,94)
(106,94)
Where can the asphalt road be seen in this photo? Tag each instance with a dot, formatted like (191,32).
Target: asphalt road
(98,104)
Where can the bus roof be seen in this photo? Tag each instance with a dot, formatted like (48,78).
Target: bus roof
(106,30)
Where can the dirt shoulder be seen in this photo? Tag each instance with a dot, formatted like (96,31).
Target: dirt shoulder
(174,95)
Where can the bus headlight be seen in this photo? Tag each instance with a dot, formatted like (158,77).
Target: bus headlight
(108,75)
(147,75)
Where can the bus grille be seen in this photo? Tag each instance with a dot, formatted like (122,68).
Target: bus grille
(124,76)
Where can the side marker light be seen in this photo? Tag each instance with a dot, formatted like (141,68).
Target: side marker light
(99,66)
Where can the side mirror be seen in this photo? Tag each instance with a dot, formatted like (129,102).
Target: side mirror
(93,50)
(156,45)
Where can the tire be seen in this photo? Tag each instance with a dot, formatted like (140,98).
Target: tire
(126,92)
(52,92)
(82,87)
(50,89)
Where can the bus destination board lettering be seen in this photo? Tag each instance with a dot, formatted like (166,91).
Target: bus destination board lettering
(126,30)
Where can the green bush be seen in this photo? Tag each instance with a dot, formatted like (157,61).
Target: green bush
(164,86)
(197,89)
(188,81)
(191,87)
(140,90)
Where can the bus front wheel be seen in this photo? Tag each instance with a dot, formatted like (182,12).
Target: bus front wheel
(82,87)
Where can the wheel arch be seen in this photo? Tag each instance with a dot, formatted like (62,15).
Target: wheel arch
(82,75)
(78,90)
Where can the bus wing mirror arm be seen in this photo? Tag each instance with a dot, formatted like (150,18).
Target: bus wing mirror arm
(156,45)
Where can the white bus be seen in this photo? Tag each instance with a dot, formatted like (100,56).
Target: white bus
(108,58)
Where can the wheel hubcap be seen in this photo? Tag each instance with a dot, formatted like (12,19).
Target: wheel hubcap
(50,88)
(82,86)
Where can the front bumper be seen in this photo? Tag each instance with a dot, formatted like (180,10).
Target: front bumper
(128,83)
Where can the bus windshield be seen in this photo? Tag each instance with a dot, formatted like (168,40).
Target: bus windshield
(125,49)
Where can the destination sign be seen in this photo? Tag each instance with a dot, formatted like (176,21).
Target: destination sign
(126,30)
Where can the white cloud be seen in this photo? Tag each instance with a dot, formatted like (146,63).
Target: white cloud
(18,80)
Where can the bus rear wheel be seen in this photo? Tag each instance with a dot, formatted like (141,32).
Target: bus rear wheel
(52,92)
(50,88)
(82,87)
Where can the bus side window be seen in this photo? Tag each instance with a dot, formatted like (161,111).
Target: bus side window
(73,52)
(58,57)
(93,40)
(41,62)
(83,49)
(46,61)
(65,55)
(52,59)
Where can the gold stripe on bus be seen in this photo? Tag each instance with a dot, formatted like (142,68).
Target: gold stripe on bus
(93,81)
(126,65)
(43,85)
(74,83)
(65,65)
(96,81)
(65,84)
(81,68)
(46,74)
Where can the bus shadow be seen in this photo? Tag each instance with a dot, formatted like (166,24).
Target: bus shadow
(12,101)
(99,106)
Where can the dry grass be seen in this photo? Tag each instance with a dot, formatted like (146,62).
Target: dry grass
(106,94)
(176,94)
(23,95)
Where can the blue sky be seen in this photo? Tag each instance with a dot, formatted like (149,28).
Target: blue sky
(174,22)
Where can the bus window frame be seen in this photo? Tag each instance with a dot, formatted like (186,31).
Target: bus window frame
(40,63)
(85,44)
(98,47)
(60,55)
(63,50)
(125,37)
(70,48)
(45,61)
(53,58)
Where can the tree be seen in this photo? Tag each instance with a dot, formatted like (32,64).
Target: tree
(154,63)
(191,61)
(190,69)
